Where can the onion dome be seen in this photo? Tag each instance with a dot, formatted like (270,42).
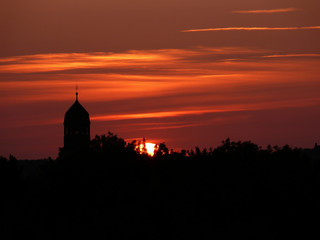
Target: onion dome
(77,114)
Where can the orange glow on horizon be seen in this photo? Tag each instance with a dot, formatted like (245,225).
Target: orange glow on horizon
(202,72)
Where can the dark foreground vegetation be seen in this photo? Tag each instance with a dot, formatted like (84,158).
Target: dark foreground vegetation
(237,190)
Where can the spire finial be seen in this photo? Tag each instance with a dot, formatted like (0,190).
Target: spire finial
(77,92)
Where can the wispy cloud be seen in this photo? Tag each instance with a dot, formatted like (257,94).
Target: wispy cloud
(159,84)
(279,10)
(40,63)
(70,61)
(183,73)
(213,109)
(292,55)
(251,29)
(166,114)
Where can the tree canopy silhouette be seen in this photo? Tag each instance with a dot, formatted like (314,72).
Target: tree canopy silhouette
(116,190)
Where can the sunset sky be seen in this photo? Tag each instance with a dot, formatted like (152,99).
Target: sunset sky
(184,72)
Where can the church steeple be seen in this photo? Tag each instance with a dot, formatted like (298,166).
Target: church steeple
(76,127)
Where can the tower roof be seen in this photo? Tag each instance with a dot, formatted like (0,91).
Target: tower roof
(76,114)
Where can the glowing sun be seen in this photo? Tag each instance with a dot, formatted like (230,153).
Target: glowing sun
(150,148)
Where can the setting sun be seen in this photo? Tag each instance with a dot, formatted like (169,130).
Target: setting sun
(149,148)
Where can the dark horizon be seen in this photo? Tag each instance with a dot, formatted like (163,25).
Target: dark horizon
(235,191)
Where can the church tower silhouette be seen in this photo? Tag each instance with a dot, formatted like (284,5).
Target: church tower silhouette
(76,127)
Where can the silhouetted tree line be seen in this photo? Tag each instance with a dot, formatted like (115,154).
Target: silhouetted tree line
(116,191)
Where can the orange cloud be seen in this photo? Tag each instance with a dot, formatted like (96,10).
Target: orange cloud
(251,29)
(213,109)
(193,78)
(69,61)
(41,63)
(293,55)
(279,10)
(162,114)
